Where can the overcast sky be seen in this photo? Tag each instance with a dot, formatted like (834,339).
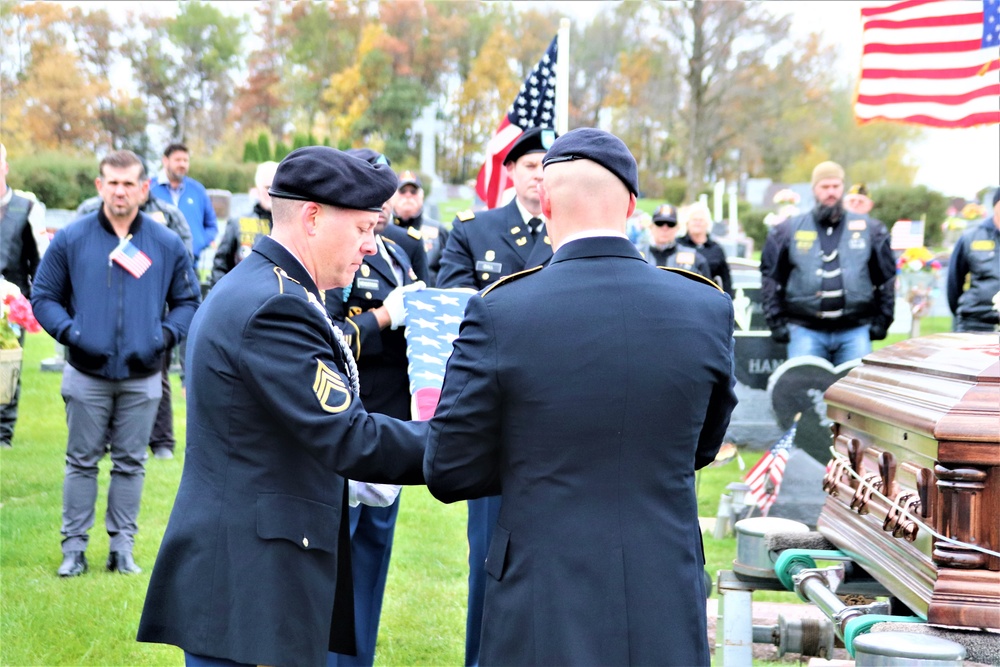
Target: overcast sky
(954,162)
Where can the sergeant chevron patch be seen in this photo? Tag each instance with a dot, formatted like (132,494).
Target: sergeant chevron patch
(331,392)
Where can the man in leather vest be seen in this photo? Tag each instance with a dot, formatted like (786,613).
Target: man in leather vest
(243,231)
(822,272)
(974,275)
(18,262)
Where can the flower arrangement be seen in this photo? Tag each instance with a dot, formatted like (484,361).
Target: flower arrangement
(15,314)
(786,196)
(786,200)
(917,260)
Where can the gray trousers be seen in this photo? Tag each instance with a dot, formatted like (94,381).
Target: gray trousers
(125,409)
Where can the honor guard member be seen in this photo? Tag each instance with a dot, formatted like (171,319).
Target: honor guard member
(974,275)
(161,440)
(482,248)
(662,248)
(242,232)
(409,216)
(827,277)
(18,263)
(552,399)
(255,564)
(370,312)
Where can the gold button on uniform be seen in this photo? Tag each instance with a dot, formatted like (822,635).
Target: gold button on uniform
(305,542)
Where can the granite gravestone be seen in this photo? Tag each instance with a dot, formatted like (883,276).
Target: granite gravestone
(796,388)
(757,356)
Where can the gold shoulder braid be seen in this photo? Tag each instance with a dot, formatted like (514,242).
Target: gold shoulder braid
(697,277)
(509,279)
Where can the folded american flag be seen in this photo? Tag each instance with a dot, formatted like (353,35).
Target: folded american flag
(764,479)
(130,258)
(432,320)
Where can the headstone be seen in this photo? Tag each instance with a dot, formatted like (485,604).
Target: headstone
(753,423)
(428,127)
(797,387)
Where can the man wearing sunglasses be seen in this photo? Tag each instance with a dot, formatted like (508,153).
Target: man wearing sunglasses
(662,249)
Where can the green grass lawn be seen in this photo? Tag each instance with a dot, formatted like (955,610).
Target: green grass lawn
(91,620)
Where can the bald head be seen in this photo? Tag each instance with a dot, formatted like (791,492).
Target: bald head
(581,195)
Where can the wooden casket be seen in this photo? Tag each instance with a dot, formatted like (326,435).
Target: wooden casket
(914,480)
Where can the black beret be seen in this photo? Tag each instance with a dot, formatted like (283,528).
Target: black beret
(327,176)
(532,140)
(604,148)
(368,155)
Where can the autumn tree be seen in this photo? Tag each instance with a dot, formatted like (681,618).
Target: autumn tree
(184,67)
(716,42)
(262,100)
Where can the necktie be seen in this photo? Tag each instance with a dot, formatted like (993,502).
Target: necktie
(534,224)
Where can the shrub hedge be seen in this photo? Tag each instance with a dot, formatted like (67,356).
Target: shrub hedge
(63,181)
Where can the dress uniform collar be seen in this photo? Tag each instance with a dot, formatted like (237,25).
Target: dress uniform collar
(526,216)
(596,243)
(285,260)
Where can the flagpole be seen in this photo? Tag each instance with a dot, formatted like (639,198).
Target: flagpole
(562,78)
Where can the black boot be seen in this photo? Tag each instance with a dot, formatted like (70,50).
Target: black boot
(74,564)
(121,562)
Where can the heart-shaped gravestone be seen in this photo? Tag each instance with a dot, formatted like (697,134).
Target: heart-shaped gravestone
(796,387)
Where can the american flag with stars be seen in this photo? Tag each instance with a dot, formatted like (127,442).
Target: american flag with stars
(432,320)
(764,479)
(931,62)
(535,106)
(130,258)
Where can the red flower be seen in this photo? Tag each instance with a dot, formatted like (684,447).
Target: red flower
(20,313)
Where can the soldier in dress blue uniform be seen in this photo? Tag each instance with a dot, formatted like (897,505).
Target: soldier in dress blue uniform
(409,216)
(552,398)
(255,564)
(369,312)
(482,248)
(662,249)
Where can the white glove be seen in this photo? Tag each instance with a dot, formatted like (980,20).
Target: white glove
(394,303)
(373,495)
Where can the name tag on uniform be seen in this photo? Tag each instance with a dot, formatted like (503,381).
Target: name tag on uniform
(685,258)
(489,267)
(984,244)
(367,283)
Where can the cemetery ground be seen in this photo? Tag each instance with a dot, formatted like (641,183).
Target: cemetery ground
(92,619)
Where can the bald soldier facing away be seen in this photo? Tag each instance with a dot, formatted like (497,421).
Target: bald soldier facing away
(255,565)
(591,440)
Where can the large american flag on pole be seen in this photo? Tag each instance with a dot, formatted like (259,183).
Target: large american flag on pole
(535,106)
(931,62)
(433,317)
(764,479)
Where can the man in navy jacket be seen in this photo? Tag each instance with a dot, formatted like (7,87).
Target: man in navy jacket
(101,290)
(553,398)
